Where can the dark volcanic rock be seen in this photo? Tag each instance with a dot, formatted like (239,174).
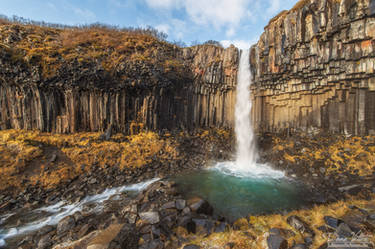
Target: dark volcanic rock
(200,206)
(276,242)
(191,247)
(126,238)
(65,225)
(298,224)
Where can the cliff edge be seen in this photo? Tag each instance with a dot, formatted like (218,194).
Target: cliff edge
(313,68)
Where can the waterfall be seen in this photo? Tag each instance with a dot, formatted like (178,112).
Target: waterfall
(246,150)
(246,159)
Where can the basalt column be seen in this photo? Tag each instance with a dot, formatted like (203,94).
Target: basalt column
(313,68)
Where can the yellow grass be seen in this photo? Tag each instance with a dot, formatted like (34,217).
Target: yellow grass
(255,234)
(81,151)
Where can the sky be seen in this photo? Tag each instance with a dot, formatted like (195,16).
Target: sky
(238,22)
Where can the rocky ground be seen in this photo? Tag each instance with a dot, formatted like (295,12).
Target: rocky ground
(338,171)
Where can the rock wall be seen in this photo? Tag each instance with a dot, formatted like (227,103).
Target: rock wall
(313,67)
(86,98)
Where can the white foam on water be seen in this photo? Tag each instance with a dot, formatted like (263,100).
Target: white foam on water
(2,242)
(60,210)
(262,171)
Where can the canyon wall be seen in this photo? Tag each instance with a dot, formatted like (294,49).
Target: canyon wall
(139,96)
(313,68)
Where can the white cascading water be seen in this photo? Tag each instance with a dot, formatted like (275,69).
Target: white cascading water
(246,151)
(246,161)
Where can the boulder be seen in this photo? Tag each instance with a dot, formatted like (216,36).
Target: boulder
(299,246)
(191,246)
(344,231)
(180,204)
(126,238)
(65,224)
(200,206)
(298,224)
(45,242)
(276,242)
(331,221)
(150,217)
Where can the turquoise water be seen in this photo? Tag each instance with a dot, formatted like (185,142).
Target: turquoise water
(234,197)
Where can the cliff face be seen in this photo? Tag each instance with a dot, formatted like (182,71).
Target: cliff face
(155,86)
(313,67)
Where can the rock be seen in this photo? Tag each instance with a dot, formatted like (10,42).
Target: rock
(299,225)
(168,205)
(200,206)
(150,217)
(331,221)
(204,226)
(308,240)
(276,242)
(299,246)
(44,230)
(53,158)
(344,231)
(84,230)
(221,227)
(191,246)
(45,242)
(65,225)
(153,244)
(126,238)
(180,204)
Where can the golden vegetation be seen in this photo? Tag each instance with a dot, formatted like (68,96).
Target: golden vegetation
(52,47)
(254,235)
(28,154)
(355,154)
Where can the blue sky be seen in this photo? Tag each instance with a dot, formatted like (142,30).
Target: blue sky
(229,21)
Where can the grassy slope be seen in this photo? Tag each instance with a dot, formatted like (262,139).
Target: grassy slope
(50,48)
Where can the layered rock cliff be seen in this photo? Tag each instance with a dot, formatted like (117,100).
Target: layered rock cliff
(77,80)
(313,67)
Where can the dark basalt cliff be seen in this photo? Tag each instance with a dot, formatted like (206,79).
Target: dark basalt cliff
(313,67)
(171,88)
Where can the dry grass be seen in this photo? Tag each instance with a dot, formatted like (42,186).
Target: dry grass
(355,154)
(255,234)
(27,154)
(52,47)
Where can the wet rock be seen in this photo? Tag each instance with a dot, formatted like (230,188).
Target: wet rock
(200,206)
(150,217)
(276,242)
(44,230)
(45,242)
(65,225)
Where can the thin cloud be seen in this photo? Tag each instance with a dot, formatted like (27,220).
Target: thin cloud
(163,28)
(241,44)
(218,13)
(274,7)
